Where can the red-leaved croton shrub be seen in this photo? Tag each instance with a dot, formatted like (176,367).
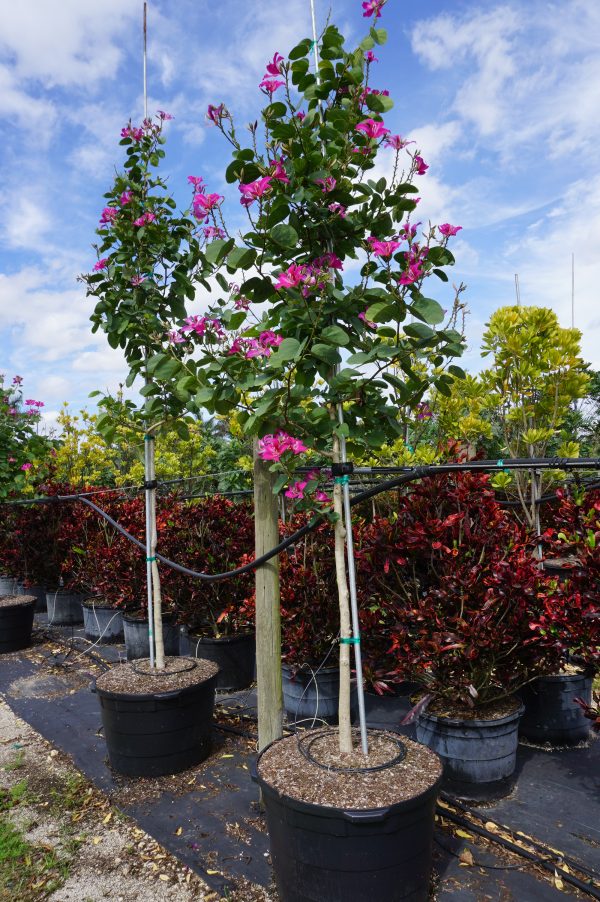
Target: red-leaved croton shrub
(569,618)
(212,535)
(464,586)
(10,556)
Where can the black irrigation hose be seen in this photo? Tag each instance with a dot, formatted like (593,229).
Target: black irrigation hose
(554,463)
(540,847)
(552,868)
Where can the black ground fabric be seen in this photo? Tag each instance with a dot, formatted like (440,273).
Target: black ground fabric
(209,816)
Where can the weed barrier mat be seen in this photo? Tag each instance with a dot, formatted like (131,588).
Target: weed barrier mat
(209,817)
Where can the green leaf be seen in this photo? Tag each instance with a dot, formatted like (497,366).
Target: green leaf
(288,349)
(381,312)
(279,483)
(285,235)
(326,353)
(275,110)
(418,330)
(379,35)
(335,335)
(167,369)
(457,371)
(241,257)
(428,310)
(217,250)
(301,49)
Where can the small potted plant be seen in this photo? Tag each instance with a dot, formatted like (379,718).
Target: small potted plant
(214,535)
(567,623)
(473,583)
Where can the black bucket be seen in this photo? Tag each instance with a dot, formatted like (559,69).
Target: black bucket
(16,622)
(39,593)
(64,608)
(551,713)
(137,645)
(8,585)
(235,655)
(323,854)
(313,695)
(102,624)
(479,756)
(161,733)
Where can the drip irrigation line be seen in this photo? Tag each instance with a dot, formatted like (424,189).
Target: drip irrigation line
(479,864)
(553,867)
(404,478)
(539,846)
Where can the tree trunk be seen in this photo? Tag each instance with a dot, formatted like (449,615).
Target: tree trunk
(268,616)
(345,725)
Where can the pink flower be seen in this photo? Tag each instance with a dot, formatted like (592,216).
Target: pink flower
(109,214)
(136,134)
(421,166)
(372,129)
(300,115)
(327,184)
(253,190)
(370,57)
(278,170)
(32,403)
(164,116)
(397,142)
(203,204)
(366,321)
(328,261)
(12,460)
(276,65)
(323,497)
(26,466)
(296,491)
(270,85)
(270,339)
(340,209)
(293,276)
(271,447)
(18,380)
(383,248)
(101,264)
(241,303)
(447,230)
(196,181)
(176,337)
(237,347)
(373,7)
(144,219)
(409,231)
(137,280)
(211,232)
(126,198)
(216,113)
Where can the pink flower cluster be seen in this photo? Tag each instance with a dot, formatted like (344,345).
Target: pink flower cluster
(136,134)
(108,216)
(372,129)
(397,142)
(447,230)
(216,113)
(338,209)
(256,347)
(212,232)
(310,276)
(296,491)
(415,260)
(278,171)
(101,264)
(32,403)
(199,325)
(327,184)
(373,8)
(252,191)
(271,82)
(204,204)
(383,248)
(273,447)
(144,219)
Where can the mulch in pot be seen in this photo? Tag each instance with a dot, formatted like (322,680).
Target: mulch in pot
(137,677)
(285,767)
(14,601)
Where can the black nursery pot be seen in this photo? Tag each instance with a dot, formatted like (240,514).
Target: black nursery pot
(64,608)
(158,733)
(480,756)
(323,854)
(234,655)
(312,695)
(102,623)
(16,622)
(551,713)
(137,645)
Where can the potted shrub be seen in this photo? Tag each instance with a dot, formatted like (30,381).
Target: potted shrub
(214,536)
(469,584)
(567,622)
(271,348)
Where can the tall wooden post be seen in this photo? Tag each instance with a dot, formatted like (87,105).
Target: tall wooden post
(268,618)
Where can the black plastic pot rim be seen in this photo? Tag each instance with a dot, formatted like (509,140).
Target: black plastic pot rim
(166,617)
(60,593)
(586,672)
(472,722)
(23,602)
(92,605)
(352,815)
(308,670)
(221,640)
(151,696)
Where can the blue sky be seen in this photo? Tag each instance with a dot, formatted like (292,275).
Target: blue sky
(502,98)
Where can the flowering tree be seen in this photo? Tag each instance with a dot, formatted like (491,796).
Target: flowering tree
(314,347)
(24,452)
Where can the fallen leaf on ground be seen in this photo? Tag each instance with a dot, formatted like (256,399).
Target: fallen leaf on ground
(466,858)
